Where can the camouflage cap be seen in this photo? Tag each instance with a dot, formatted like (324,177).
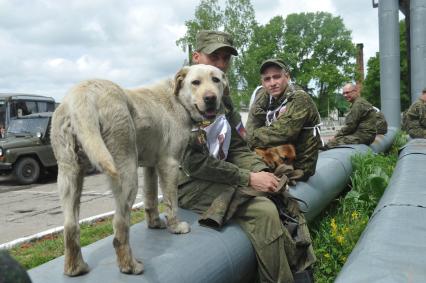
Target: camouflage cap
(209,41)
(274,62)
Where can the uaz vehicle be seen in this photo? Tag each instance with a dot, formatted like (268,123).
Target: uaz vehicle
(26,151)
(18,104)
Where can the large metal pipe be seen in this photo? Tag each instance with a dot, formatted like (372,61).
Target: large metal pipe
(389,61)
(392,246)
(207,255)
(418,47)
(321,188)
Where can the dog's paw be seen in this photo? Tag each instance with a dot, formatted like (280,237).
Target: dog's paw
(136,267)
(155,223)
(75,270)
(179,228)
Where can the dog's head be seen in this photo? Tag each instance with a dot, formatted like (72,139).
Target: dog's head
(275,156)
(200,89)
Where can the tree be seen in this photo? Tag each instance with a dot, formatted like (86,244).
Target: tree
(317,47)
(371,86)
(208,16)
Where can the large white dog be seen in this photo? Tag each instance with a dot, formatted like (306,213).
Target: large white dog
(116,130)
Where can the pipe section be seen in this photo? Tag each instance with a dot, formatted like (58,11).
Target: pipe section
(206,255)
(418,47)
(392,247)
(389,61)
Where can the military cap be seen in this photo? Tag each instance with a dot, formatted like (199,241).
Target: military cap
(208,41)
(274,62)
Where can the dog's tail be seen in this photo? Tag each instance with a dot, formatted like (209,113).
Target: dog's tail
(87,128)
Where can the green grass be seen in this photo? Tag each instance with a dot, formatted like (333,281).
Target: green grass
(49,247)
(336,231)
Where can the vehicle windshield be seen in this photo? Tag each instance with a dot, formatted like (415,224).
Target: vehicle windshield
(28,126)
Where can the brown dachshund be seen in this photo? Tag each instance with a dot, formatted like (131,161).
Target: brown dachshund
(275,156)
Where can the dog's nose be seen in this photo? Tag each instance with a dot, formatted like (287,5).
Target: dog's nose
(210,99)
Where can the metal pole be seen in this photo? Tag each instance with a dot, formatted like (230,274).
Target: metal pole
(418,47)
(389,61)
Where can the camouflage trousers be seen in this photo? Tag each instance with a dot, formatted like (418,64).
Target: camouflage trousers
(258,217)
(351,139)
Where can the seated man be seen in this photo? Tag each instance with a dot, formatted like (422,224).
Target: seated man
(215,185)
(360,125)
(282,114)
(415,118)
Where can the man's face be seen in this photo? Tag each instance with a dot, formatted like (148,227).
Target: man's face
(350,93)
(219,58)
(274,80)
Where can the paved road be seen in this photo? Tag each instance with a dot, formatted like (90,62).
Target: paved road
(27,210)
(30,209)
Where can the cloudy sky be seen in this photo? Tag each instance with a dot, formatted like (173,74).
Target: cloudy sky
(46,46)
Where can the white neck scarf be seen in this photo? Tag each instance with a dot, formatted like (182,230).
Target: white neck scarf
(218,137)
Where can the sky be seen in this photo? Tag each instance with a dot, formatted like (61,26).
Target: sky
(47,46)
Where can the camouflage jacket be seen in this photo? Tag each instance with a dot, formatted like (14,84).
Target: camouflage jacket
(415,119)
(360,121)
(294,125)
(198,164)
(381,124)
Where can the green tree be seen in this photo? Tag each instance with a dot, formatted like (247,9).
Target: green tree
(317,47)
(371,86)
(208,16)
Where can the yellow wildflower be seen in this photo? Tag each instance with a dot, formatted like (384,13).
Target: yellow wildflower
(327,255)
(340,239)
(333,225)
(355,215)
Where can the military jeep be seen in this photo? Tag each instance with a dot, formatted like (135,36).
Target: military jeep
(25,151)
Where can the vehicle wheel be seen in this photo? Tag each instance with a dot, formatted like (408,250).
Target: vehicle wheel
(27,170)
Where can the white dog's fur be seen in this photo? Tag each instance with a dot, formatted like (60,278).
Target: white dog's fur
(115,129)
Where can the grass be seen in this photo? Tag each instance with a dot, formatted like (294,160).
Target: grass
(336,231)
(32,254)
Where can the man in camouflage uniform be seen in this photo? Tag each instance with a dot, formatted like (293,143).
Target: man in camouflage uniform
(214,187)
(282,114)
(360,125)
(415,118)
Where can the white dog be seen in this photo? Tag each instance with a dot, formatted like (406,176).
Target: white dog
(115,130)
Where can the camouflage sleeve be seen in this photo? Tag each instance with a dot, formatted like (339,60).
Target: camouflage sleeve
(286,129)
(414,127)
(352,120)
(382,125)
(257,115)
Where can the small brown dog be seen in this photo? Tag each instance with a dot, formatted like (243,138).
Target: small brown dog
(275,156)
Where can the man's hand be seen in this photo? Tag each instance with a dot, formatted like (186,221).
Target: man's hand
(264,181)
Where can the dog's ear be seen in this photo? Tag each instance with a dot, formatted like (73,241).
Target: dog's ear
(225,84)
(179,77)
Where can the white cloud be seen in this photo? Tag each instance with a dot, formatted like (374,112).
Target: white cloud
(47,45)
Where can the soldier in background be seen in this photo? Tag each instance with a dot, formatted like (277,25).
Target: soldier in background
(283,114)
(415,118)
(360,124)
